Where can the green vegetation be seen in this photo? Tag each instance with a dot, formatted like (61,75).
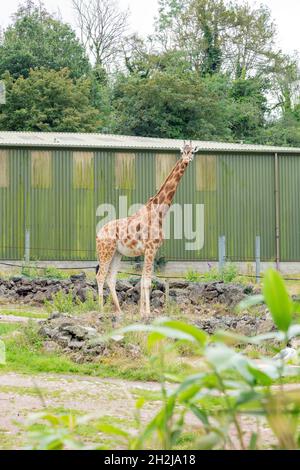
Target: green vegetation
(228,274)
(23,313)
(230,392)
(69,303)
(211,70)
(25,354)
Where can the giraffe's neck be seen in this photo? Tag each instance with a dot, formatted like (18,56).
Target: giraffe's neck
(165,194)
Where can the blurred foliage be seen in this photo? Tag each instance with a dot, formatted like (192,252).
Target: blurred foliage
(224,395)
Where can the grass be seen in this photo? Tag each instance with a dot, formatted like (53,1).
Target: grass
(23,313)
(24,354)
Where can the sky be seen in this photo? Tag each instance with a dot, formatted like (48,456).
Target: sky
(286,13)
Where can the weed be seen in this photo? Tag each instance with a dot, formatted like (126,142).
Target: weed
(54,273)
(61,302)
(192,276)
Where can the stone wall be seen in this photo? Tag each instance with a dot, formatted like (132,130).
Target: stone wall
(182,293)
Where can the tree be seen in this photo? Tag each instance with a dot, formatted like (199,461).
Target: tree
(102,27)
(249,108)
(218,35)
(36,39)
(249,41)
(197,27)
(170,104)
(285,75)
(48,100)
(142,58)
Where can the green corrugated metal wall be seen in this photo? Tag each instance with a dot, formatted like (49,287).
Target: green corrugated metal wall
(62,218)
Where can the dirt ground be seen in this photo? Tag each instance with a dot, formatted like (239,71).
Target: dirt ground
(22,395)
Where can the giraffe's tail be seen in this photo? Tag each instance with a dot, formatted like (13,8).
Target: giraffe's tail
(97,269)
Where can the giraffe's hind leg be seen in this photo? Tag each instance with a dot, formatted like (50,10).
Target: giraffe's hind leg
(106,251)
(111,279)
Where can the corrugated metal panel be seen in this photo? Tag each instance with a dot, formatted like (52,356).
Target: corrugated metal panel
(13,206)
(109,141)
(62,217)
(246,205)
(289,184)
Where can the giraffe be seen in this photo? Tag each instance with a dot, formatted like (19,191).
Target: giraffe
(136,235)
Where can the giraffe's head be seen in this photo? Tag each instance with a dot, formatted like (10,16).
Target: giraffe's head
(188,152)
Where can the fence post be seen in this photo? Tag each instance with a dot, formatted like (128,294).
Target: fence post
(222,252)
(27,246)
(257,259)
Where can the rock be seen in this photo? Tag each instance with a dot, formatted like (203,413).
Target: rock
(157,302)
(40,297)
(80,332)
(50,347)
(137,286)
(75,344)
(16,279)
(134,350)
(81,292)
(175,292)
(158,284)
(24,289)
(63,340)
(195,293)
(178,284)
(156,293)
(123,285)
(54,315)
(78,277)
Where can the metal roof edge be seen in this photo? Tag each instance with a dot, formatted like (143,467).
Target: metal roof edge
(115,141)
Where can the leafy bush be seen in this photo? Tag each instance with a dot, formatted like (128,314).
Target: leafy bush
(227,390)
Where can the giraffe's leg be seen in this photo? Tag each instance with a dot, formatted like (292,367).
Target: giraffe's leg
(111,279)
(105,259)
(146,282)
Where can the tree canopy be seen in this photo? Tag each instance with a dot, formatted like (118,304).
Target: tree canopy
(48,100)
(36,39)
(211,70)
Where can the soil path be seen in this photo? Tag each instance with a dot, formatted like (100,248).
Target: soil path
(22,395)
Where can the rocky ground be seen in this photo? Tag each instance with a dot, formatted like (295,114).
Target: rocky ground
(80,336)
(209,305)
(183,293)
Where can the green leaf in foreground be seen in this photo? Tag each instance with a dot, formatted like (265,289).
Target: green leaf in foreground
(277,299)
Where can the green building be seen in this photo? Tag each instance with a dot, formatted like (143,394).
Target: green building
(51,185)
